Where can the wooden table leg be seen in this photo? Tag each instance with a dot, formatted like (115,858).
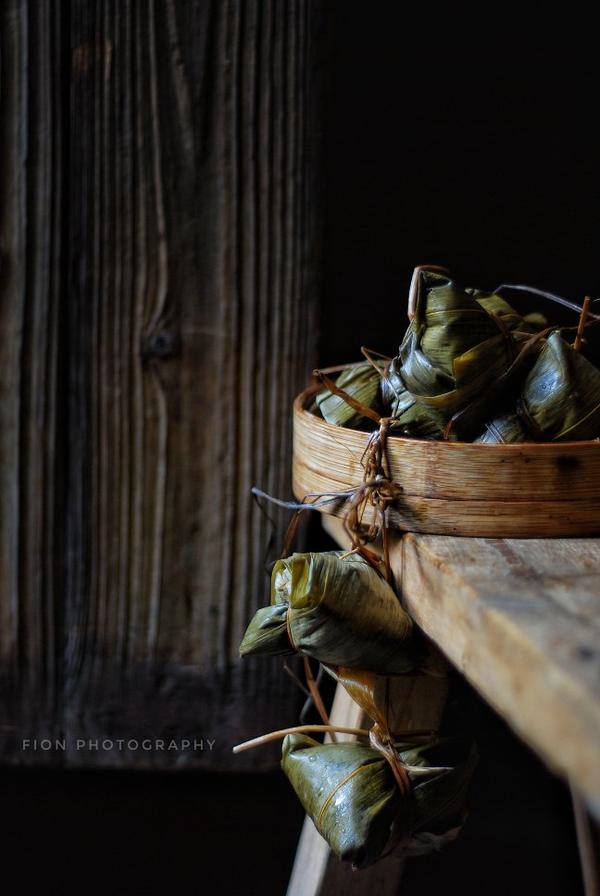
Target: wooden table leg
(588,843)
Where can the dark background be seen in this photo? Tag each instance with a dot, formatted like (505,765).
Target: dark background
(93,833)
(470,142)
(465,140)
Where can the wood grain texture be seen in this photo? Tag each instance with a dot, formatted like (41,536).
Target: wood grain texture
(31,285)
(190,255)
(452,488)
(520,636)
(450,516)
(521,620)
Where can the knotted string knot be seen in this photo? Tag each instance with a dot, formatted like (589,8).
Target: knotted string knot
(383,491)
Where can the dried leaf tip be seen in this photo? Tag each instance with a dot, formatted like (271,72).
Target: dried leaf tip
(582,323)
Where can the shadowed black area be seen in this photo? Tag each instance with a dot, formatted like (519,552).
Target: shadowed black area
(519,836)
(463,140)
(128,833)
(92,833)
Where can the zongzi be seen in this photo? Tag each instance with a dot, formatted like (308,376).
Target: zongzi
(458,341)
(351,794)
(409,416)
(559,401)
(337,609)
(362,382)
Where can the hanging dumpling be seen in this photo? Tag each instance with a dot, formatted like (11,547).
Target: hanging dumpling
(351,794)
(336,609)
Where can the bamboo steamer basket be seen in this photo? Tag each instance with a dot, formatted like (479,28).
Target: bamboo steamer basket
(525,490)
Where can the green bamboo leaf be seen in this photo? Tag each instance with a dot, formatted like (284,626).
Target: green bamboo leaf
(505,428)
(411,418)
(350,792)
(559,401)
(339,611)
(456,344)
(362,382)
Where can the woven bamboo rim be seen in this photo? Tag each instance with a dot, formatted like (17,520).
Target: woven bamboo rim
(525,490)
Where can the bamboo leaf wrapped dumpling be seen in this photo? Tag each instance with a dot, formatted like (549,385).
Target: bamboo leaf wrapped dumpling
(339,611)
(504,428)
(351,794)
(458,341)
(362,382)
(411,418)
(559,401)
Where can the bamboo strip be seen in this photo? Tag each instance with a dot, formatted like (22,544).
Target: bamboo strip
(522,490)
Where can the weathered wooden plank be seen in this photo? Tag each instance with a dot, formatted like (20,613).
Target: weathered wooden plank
(31,291)
(191,236)
(534,660)
(521,620)
(188,320)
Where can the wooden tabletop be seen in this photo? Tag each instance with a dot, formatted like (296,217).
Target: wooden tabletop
(521,620)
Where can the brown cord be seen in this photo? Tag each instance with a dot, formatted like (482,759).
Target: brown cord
(349,399)
(382,742)
(377,490)
(315,693)
(506,333)
(310,679)
(311,683)
(414,292)
(582,323)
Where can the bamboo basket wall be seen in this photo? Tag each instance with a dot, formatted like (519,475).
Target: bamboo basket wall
(526,490)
